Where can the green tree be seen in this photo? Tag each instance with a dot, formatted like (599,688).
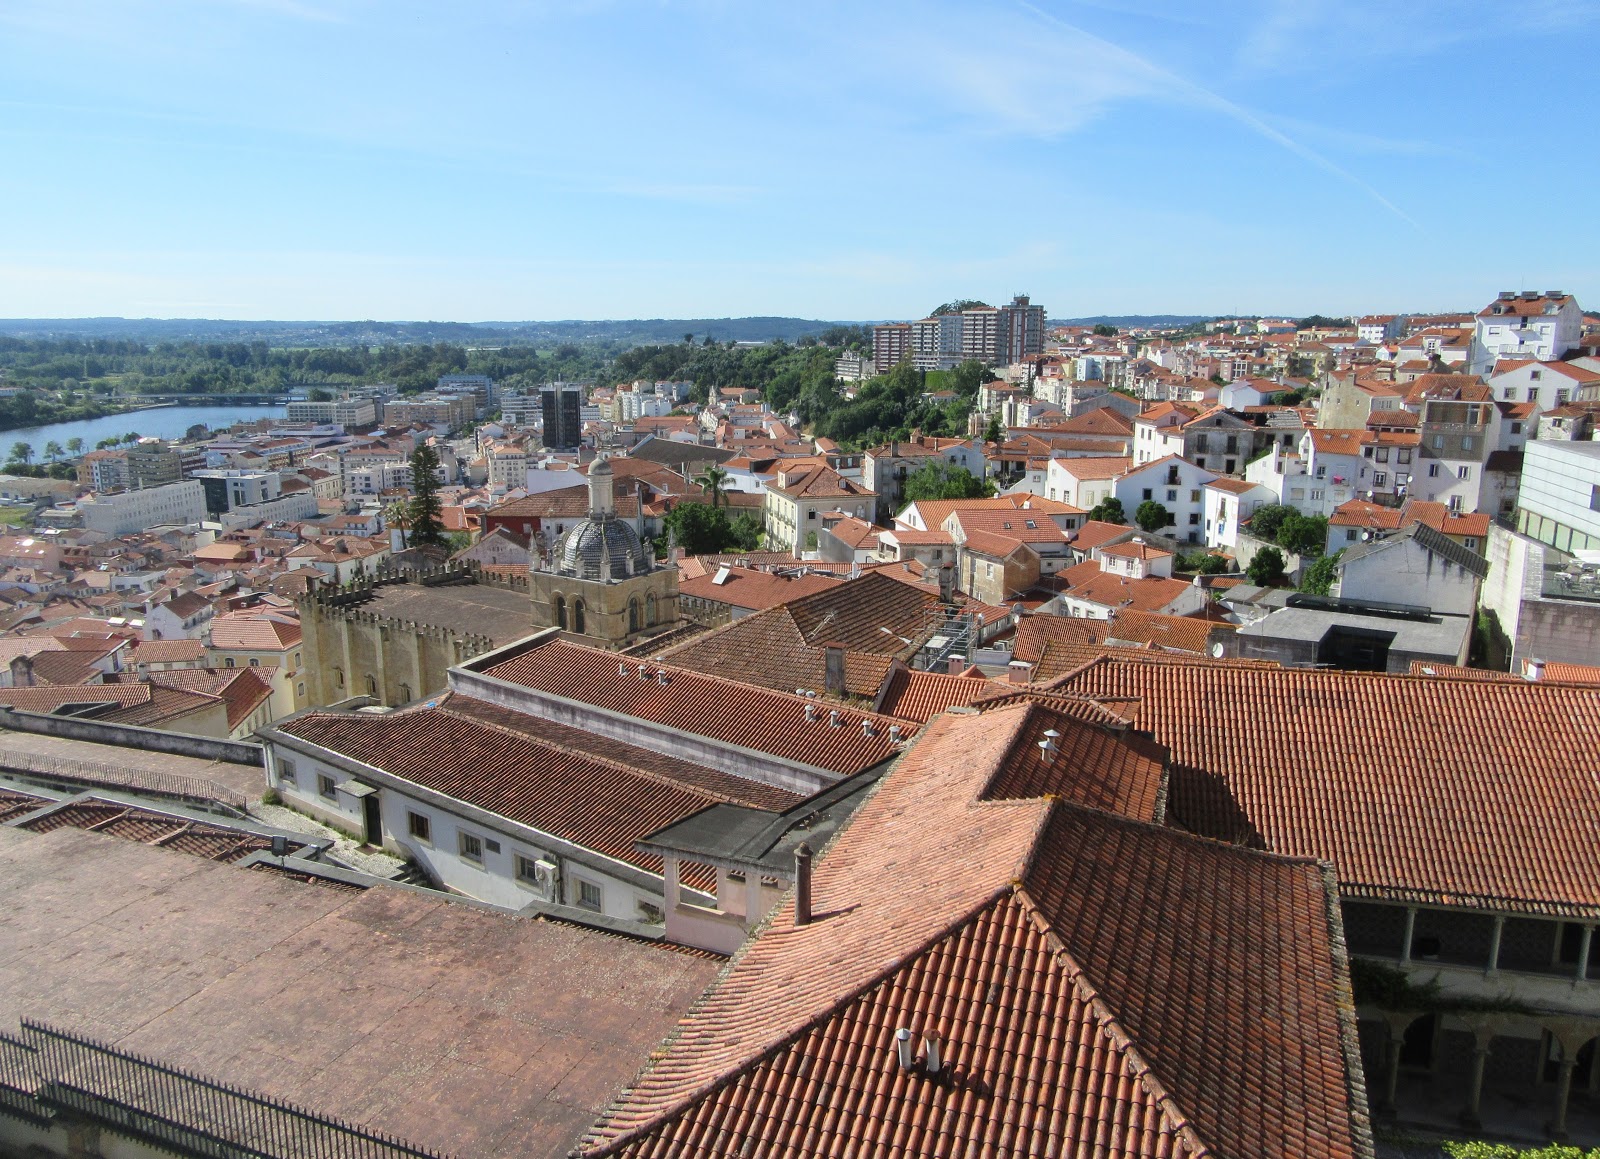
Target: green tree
(1319,577)
(131,437)
(1266,520)
(994,432)
(427,529)
(1266,569)
(939,479)
(319,394)
(1105,331)
(53,451)
(397,516)
(711,480)
(1203,562)
(746,531)
(1152,516)
(1304,534)
(74,446)
(1108,510)
(22,453)
(700,529)
(1481,1150)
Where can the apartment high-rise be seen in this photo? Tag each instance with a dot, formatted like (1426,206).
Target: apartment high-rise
(891,343)
(980,334)
(1019,331)
(562,407)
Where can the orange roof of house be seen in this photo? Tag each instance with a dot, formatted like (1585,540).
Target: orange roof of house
(1055,969)
(743,587)
(255,631)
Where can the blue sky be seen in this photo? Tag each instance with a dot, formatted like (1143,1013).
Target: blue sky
(479,159)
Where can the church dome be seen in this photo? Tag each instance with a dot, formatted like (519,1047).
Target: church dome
(604,548)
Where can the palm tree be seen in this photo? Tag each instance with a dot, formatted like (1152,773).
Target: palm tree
(74,446)
(398,514)
(712,479)
(22,453)
(53,451)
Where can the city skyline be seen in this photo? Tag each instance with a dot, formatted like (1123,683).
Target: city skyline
(288,159)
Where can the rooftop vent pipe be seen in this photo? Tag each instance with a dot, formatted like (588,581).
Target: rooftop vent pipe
(833,718)
(802,884)
(902,1049)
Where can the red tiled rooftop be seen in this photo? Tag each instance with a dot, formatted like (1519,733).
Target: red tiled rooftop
(763,719)
(1060,970)
(1440,792)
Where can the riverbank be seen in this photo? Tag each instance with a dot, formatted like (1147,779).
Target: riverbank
(161,420)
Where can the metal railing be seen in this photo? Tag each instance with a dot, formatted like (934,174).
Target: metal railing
(179,1110)
(19,1078)
(197,790)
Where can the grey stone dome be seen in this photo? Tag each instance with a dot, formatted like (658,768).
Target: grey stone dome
(596,542)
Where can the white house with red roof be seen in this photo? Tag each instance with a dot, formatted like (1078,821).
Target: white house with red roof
(1176,484)
(1228,503)
(1548,385)
(1541,326)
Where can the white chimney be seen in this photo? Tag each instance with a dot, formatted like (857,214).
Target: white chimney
(902,1049)
(931,1062)
(834,718)
(1533,668)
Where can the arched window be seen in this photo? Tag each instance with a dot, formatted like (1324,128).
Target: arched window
(650,609)
(558,609)
(372,686)
(405,694)
(227,662)
(577,616)
(338,677)
(633,614)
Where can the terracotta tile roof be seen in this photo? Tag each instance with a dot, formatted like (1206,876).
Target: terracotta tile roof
(1440,792)
(820,482)
(1522,307)
(920,696)
(255,631)
(149,827)
(1233,486)
(744,587)
(1134,549)
(1103,420)
(243,690)
(1438,517)
(1025,526)
(1096,467)
(1060,971)
(1183,633)
(1334,442)
(167,651)
(1109,590)
(763,719)
(1456,672)
(1093,533)
(1570,673)
(561,503)
(142,704)
(852,532)
(598,793)
(1360,513)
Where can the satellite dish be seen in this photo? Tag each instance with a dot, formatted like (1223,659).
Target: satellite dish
(1216,650)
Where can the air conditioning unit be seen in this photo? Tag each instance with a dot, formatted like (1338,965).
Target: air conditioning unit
(547,879)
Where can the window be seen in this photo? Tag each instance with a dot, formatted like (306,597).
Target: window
(372,686)
(577,617)
(558,612)
(1172,496)
(1201,462)
(1405,455)
(1194,496)
(1536,375)
(633,614)
(1380,479)
(1563,397)
(420,827)
(1463,472)
(1322,470)
(653,914)
(470,846)
(1229,466)
(1466,442)
(1316,492)
(255,662)
(590,896)
(1350,535)
(1594,498)
(650,609)
(812,514)
(1383,454)
(1149,494)
(1194,519)
(227,662)
(286,772)
(326,787)
(1433,470)
(1516,428)
(297,659)
(338,677)
(1438,442)
(300,689)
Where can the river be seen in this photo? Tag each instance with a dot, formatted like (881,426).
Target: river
(167,422)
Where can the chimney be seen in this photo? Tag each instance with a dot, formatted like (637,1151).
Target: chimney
(1018,671)
(902,1049)
(931,1062)
(833,674)
(1532,668)
(802,884)
(835,718)
(958,665)
(22,672)
(947,584)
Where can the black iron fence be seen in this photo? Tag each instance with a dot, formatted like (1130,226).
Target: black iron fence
(58,1071)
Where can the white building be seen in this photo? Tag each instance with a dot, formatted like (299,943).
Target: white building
(1176,484)
(1547,385)
(131,511)
(341,412)
(1542,327)
(1559,500)
(1228,503)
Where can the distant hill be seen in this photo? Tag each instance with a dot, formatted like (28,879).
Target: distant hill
(1121,320)
(627,332)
